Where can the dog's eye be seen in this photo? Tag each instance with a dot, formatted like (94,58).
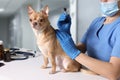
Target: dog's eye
(41,20)
(30,20)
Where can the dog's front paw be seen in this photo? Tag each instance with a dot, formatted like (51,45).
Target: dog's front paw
(43,67)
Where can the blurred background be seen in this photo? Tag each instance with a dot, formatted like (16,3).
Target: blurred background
(15,29)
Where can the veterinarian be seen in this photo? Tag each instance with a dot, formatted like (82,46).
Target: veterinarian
(101,41)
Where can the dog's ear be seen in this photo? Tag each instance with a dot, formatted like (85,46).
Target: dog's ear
(30,10)
(46,10)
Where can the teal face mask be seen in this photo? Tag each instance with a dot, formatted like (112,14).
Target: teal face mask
(109,8)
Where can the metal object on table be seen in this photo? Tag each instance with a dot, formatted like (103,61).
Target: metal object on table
(17,54)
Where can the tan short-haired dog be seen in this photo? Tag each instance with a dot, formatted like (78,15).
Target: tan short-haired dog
(48,43)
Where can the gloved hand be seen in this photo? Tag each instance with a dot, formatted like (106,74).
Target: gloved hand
(67,44)
(64,22)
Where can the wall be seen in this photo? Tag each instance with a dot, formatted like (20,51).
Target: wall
(73,14)
(4,22)
(86,12)
(14,31)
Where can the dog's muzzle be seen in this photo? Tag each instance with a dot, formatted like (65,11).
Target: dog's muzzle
(35,24)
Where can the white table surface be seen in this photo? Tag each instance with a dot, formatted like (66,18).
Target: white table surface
(29,69)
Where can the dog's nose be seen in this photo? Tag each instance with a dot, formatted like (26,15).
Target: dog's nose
(35,23)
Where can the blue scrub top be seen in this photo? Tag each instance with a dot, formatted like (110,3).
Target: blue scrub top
(103,40)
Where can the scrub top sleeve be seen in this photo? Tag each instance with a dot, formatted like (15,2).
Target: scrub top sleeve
(116,47)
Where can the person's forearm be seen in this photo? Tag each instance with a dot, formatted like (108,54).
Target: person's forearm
(103,68)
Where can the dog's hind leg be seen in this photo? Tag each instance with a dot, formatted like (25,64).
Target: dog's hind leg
(70,65)
(60,62)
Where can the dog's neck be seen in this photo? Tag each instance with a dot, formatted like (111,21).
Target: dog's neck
(43,31)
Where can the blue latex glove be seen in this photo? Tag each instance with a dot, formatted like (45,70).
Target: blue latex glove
(67,44)
(64,22)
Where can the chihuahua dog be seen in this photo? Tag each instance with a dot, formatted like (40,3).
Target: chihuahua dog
(48,43)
